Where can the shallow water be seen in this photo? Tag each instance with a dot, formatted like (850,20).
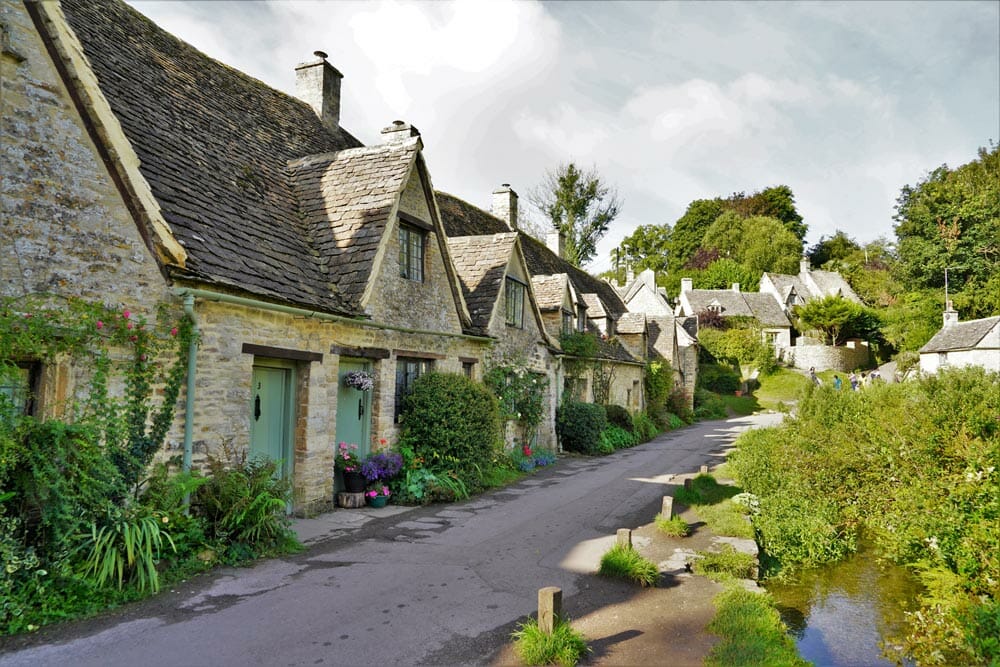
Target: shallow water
(841,615)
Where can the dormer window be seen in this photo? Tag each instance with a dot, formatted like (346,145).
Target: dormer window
(411,253)
(515,303)
(567,322)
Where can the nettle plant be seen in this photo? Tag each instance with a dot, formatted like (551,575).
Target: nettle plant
(106,342)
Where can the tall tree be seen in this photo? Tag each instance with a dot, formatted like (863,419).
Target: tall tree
(646,248)
(952,219)
(579,205)
(840,246)
(774,202)
(689,230)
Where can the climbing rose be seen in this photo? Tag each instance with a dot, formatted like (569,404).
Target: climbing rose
(129,325)
(127,314)
(100,324)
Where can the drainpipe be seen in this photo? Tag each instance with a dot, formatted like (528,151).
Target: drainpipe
(189,397)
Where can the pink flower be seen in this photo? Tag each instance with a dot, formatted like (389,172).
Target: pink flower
(100,324)
(142,357)
(127,314)
(173,332)
(129,325)
(133,338)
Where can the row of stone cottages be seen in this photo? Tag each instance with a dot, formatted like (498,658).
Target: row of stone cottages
(137,171)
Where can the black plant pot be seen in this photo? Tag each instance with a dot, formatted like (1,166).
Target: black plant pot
(354,482)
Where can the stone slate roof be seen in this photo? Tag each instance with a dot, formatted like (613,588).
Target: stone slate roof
(784,282)
(631,323)
(461,218)
(733,304)
(549,291)
(345,199)
(960,335)
(766,309)
(594,306)
(214,145)
(831,283)
(481,262)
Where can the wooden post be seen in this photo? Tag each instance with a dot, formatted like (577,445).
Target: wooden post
(549,608)
(687,484)
(667,511)
(625,537)
(704,470)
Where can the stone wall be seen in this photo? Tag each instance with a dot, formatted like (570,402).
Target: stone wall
(827,357)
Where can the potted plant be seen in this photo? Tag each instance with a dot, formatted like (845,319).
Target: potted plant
(379,496)
(360,380)
(349,464)
(381,466)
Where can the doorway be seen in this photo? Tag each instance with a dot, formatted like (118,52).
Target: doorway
(272,413)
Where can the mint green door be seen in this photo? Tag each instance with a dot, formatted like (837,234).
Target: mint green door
(271,416)
(354,409)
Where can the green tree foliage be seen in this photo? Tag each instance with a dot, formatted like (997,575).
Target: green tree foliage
(722,273)
(838,318)
(767,245)
(648,247)
(689,230)
(774,202)
(951,218)
(578,204)
(838,247)
(453,423)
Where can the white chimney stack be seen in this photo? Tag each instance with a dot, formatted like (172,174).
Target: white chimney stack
(505,205)
(687,284)
(318,83)
(399,131)
(556,241)
(950,314)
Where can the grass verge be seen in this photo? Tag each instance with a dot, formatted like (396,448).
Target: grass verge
(726,564)
(565,646)
(674,526)
(779,388)
(626,563)
(713,504)
(751,632)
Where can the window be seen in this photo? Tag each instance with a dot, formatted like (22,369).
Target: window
(411,253)
(567,322)
(515,303)
(467,367)
(408,370)
(581,317)
(17,383)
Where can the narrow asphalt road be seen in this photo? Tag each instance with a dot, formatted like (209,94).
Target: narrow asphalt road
(436,585)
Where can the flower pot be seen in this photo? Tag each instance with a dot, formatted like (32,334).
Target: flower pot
(354,481)
(377,501)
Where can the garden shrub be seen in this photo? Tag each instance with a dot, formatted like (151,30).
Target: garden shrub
(718,378)
(619,416)
(680,405)
(614,438)
(644,427)
(708,405)
(453,424)
(579,426)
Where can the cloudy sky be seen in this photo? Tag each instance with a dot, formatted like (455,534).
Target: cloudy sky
(845,102)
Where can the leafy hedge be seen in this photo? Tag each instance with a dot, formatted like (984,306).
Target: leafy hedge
(579,426)
(619,416)
(718,378)
(917,467)
(453,424)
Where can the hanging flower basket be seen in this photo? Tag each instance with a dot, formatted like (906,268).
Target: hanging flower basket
(360,380)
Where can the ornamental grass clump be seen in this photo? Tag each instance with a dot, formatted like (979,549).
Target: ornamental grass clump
(674,526)
(726,564)
(625,562)
(565,646)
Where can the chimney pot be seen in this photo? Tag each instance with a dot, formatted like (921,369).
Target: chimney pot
(505,205)
(318,83)
(399,131)
(950,314)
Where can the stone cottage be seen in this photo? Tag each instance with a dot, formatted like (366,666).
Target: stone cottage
(809,284)
(958,344)
(138,171)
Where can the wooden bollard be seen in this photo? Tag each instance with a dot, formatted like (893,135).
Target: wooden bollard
(549,608)
(625,537)
(687,484)
(704,470)
(667,511)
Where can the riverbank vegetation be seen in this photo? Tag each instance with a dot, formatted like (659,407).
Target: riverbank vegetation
(915,467)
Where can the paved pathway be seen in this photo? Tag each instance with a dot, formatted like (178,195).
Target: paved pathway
(437,585)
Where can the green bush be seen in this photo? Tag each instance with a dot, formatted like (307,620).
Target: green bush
(579,426)
(619,416)
(126,548)
(614,438)
(626,563)
(751,632)
(726,564)
(674,526)
(718,378)
(708,405)
(453,424)
(679,405)
(644,427)
(565,646)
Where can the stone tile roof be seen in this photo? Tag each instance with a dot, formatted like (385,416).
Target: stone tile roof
(784,282)
(732,303)
(345,199)
(461,218)
(549,291)
(594,306)
(631,323)
(831,283)
(214,145)
(960,335)
(766,309)
(481,262)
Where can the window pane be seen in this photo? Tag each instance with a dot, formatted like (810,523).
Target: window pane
(416,256)
(15,385)
(404,252)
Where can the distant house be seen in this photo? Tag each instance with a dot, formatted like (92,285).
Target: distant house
(732,303)
(957,344)
(809,284)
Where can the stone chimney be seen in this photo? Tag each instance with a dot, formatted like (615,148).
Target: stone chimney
(556,241)
(736,287)
(505,205)
(804,266)
(318,83)
(950,315)
(399,132)
(629,273)
(687,284)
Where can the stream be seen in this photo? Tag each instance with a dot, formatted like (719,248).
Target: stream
(841,615)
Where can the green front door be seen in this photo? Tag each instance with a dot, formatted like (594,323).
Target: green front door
(271,416)
(353,409)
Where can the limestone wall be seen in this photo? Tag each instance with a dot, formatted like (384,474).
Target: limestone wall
(828,357)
